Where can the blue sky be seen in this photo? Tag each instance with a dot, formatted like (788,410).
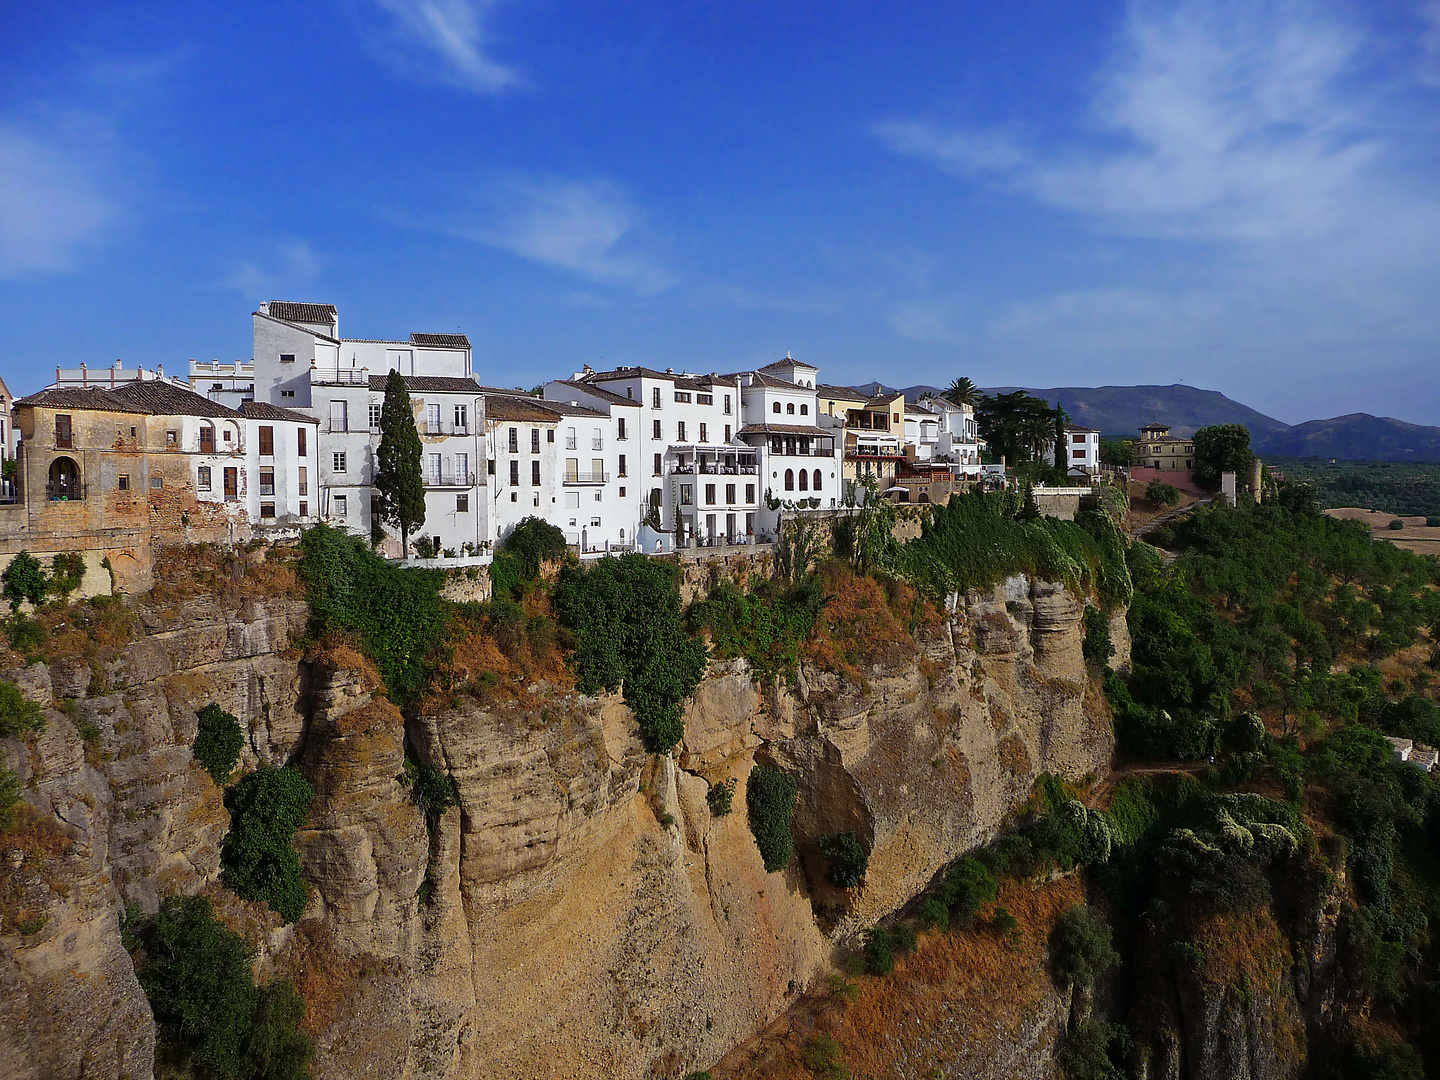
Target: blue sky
(1242,196)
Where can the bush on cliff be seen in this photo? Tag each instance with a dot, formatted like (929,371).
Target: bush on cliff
(209,1015)
(625,615)
(17,715)
(1080,948)
(770,796)
(846,858)
(767,626)
(396,612)
(1097,647)
(24,581)
(517,563)
(217,742)
(258,860)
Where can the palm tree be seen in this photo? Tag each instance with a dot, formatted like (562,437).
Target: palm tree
(961,392)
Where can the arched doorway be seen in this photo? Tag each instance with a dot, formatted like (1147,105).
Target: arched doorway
(64,480)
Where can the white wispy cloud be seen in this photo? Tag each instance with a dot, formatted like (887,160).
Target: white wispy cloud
(282,264)
(589,228)
(1298,238)
(438,40)
(52,203)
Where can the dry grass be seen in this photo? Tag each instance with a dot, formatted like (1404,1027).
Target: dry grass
(252,572)
(951,1002)
(324,978)
(45,870)
(867,623)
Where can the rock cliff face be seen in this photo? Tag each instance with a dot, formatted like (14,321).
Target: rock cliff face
(581,911)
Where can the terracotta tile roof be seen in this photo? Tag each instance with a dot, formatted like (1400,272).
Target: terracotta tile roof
(790,361)
(74,397)
(599,392)
(297,326)
(446,341)
(840,393)
(789,429)
(440,383)
(263,410)
(166,399)
(766,380)
(530,409)
(290,311)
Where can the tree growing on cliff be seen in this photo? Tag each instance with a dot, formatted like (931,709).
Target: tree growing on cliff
(399,487)
(770,796)
(259,861)
(218,740)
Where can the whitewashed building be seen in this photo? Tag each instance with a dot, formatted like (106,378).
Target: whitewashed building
(1082,451)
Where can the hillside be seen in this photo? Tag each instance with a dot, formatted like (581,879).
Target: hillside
(1123,410)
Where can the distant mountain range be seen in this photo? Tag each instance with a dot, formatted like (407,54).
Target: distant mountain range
(1124,410)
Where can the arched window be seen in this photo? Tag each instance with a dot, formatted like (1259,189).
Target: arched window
(924,497)
(64,479)
(804,410)
(790,408)
(804,481)
(816,485)
(775,408)
(789,479)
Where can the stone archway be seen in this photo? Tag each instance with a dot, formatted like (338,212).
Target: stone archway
(64,480)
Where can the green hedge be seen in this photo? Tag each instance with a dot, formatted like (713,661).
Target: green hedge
(258,860)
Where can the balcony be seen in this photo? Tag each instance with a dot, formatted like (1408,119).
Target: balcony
(587,478)
(451,479)
(427,428)
(340,377)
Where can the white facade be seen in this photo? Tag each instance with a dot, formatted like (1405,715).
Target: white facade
(231,383)
(281,451)
(1082,450)
(957,435)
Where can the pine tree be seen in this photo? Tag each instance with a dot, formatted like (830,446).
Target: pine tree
(399,486)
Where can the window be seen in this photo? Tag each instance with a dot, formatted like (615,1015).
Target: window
(535,473)
(789,479)
(514,440)
(338,464)
(599,497)
(804,480)
(514,497)
(572,469)
(207,439)
(657,465)
(375,410)
(790,407)
(727,433)
(123,481)
(816,484)
(172,438)
(287,393)
(595,522)
(462,504)
(432,419)
(682,395)
(630,392)
(156,483)
(304,509)
(749,493)
(656,433)
(267,480)
(462,468)
(775,407)
(1077,438)
(709,494)
(622,492)
(620,428)
(462,419)
(655,398)
(287,357)
(705,399)
(339,416)
(267,441)
(202,479)
(571,439)
(621,470)
(514,475)
(550,435)
(727,404)
(302,481)
(729,494)
(300,436)
(534,440)
(680,429)
(704,434)
(597,471)
(1077,453)
(597,439)
(340,503)
(432,469)
(267,510)
(655,497)
(804,410)
(572,500)
(490,466)
(687,494)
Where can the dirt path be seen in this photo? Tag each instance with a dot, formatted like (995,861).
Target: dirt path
(1098,797)
(1170,515)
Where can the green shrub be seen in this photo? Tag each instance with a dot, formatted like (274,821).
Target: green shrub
(23,580)
(720,796)
(1161,493)
(196,974)
(277,1048)
(846,858)
(18,716)
(766,626)
(1080,948)
(879,954)
(823,1058)
(1396,525)
(430,789)
(968,886)
(1092,1052)
(218,740)
(67,571)
(770,795)
(625,615)
(933,914)
(1097,648)
(25,634)
(699,1076)
(1002,922)
(1432,522)
(9,798)
(903,938)
(395,611)
(258,860)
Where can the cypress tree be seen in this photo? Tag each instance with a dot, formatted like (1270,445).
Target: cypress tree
(1061,459)
(399,486)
